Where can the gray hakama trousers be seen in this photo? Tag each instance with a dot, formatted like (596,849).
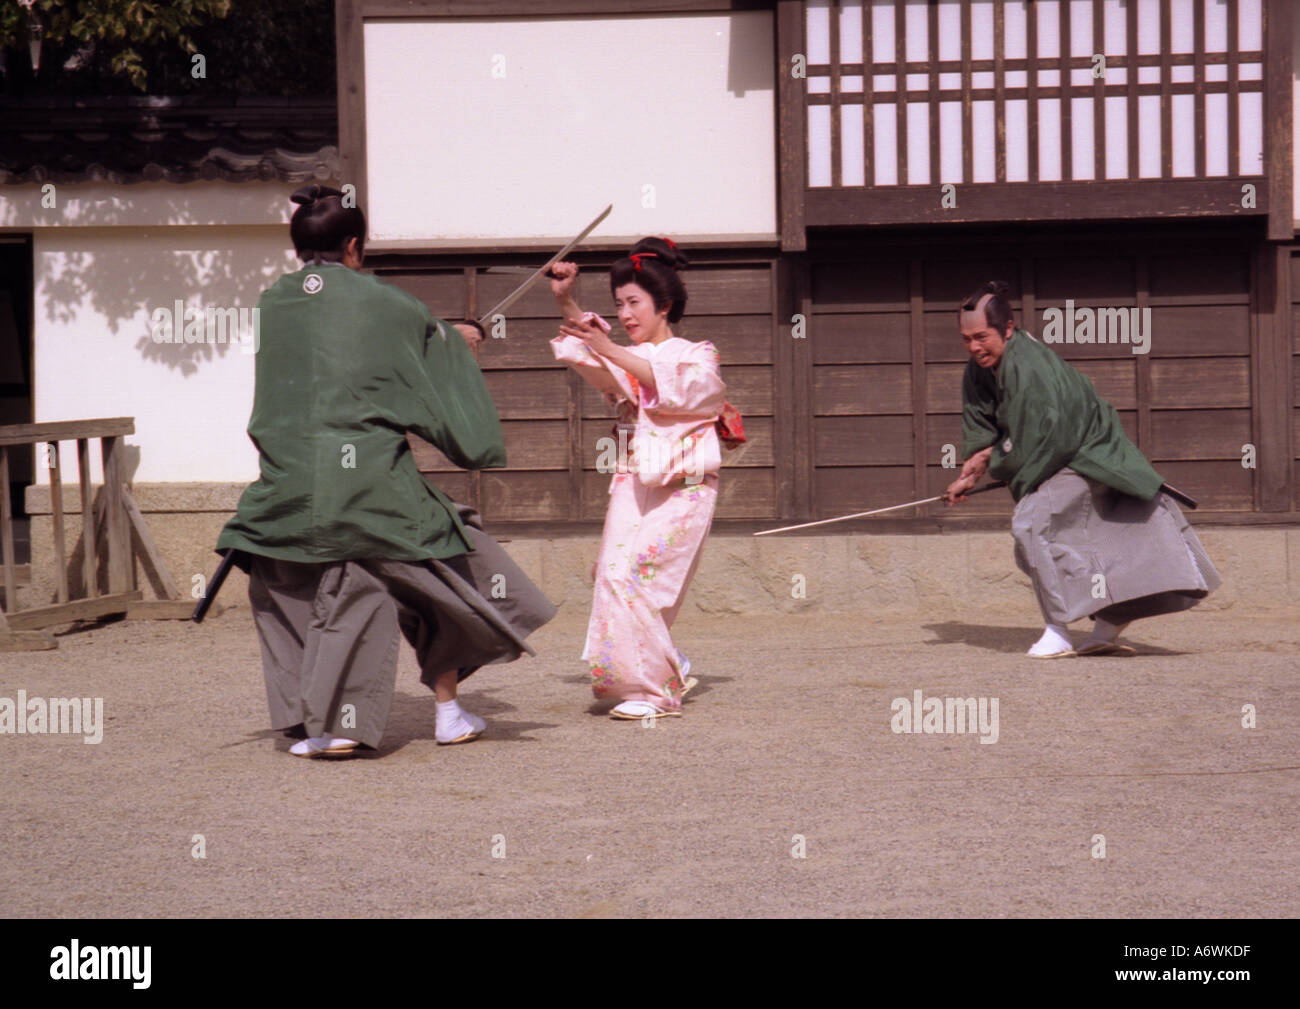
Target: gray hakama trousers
(330,632)
(1093,551)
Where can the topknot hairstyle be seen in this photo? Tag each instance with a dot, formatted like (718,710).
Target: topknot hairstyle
(997,312)
(321,226)
(653,264)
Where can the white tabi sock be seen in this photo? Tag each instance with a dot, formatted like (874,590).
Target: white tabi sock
(1055,639)
(453,721)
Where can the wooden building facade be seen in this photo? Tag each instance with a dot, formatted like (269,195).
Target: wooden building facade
(1125,157)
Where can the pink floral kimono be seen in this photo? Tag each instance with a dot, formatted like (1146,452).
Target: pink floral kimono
(661,500)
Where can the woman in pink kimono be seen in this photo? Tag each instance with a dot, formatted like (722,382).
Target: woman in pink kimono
(669,393)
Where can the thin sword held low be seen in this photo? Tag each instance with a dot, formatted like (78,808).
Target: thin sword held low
(518,292)
(878,511)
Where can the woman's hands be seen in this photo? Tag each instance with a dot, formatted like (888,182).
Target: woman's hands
(564,285)
(598,342)
(564,280)
(590,334)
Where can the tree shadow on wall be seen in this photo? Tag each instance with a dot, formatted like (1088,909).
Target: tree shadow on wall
(202,268)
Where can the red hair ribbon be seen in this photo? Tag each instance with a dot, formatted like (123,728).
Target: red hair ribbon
(671,244)
(636,258)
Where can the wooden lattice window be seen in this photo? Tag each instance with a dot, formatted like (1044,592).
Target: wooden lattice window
(928,92)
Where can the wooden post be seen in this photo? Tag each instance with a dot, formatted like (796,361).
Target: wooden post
(1142,288)
(56,509)
(1270,375)
(117,531)
(22,630)
(150,549)
(1278,89)
(791,144)
(916,325)
(7,533)
(87,519)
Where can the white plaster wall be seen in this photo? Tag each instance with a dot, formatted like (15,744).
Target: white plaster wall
(104,258)
(1295,117)
(523,129)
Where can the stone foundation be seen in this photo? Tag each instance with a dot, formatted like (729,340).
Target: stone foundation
(937,574)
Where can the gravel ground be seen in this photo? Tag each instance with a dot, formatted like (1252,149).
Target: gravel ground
(785,749)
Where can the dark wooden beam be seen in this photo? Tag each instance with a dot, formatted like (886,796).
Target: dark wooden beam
(933,31)
(1234,63)
(1198,82)
(801,385)
(1166,99)
(1067,88)
(916,326)
(1271,367)
(1098,95)
(967,106)
(837,142)
(534,8)
(1042,201)
(351,89)
(1278,16)
(1131,87)
(1142,299)
(791,124)
(900,89)
(999,98)
(1031,86)
(790,435)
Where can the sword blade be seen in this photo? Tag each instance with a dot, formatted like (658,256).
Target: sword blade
(879,511)
(518,292)
(856,515)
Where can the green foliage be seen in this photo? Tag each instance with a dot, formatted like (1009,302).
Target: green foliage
(96,47)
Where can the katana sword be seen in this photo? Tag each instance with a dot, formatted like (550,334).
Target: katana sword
(1178,495)
(213,587)
(878,511)
(518,292)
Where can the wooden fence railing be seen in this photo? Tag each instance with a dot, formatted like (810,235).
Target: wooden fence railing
(20,629)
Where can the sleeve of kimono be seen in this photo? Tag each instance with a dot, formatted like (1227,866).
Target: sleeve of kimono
(1037,443)
(604,376)
(687,386)
(453,409)
(979,424)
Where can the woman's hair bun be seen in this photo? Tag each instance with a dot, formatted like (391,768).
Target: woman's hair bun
(653,264)
(664,250)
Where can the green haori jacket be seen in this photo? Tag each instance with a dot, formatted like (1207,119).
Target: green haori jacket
(347,364)
(1041,415)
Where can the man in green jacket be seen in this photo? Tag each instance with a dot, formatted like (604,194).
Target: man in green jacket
(1093,529)
(344,541)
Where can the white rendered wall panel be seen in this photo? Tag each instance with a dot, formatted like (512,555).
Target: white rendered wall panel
(508,142)
(1251,133)
(817,31)
(852,154)
(918,143)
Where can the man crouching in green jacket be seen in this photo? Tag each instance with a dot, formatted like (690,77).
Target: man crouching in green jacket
(1093,528)
(344,541)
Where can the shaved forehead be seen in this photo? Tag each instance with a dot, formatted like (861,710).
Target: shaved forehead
(976,318)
